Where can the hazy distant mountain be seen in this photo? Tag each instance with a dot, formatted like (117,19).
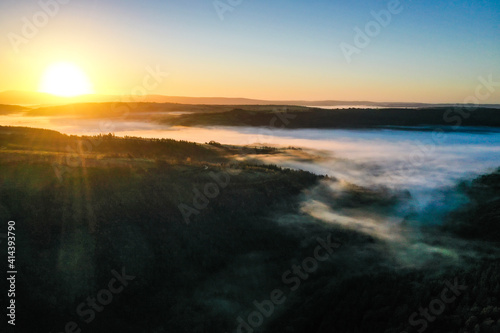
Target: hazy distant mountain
(38,98)
(10,109)
(15,97)
(27,98)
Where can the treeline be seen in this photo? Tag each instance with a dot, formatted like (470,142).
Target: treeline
(40,140)
(345,118)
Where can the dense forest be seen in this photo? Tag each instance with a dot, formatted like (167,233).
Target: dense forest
(204,240)
(344,118)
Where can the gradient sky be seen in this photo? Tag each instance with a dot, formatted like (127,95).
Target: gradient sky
(433,51)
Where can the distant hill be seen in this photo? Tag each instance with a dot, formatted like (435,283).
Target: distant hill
(10,109)
(29,98)
(173,114)
(421,119)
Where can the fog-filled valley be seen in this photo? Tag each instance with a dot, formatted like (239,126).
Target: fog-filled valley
(232,166)
(272,228)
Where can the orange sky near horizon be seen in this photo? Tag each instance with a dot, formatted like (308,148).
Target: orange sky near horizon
(251,54)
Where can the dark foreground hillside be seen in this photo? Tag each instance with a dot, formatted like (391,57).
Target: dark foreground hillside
(141,235)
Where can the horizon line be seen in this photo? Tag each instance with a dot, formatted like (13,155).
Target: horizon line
(299,102)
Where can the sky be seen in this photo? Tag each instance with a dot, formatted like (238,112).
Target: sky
(427,51)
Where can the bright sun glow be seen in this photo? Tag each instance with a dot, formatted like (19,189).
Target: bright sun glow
(65,79)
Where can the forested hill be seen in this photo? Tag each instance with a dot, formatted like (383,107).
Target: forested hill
(274,116)
(344,118)
(115,205)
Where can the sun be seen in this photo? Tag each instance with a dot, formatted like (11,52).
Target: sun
(65,79)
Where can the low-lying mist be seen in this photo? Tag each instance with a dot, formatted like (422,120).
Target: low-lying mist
(385,202)
(422,165)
